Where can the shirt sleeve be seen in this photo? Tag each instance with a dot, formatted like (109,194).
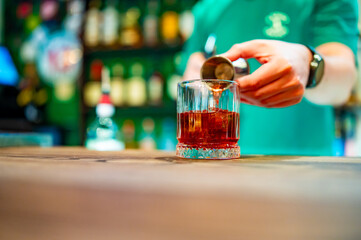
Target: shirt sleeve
(336,21)
(198,38)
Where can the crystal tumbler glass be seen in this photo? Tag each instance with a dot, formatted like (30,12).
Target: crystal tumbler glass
(208,119)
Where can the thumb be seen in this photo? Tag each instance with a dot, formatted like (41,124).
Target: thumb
(250,49)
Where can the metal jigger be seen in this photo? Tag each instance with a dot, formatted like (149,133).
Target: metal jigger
(218,67)
(222,68)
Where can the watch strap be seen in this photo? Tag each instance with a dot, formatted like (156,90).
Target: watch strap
(316,68)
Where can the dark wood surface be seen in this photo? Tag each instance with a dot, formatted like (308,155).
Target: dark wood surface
(74,193)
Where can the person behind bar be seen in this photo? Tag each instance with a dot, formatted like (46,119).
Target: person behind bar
(290,96)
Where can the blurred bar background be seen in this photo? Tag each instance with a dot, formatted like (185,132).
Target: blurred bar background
(57,59)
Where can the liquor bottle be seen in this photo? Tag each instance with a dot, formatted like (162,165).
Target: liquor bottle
(174,78)
(110,25)
(131,35)
(24,9)
(128,130)
(350,138)
(92,89)
(170,23)
(136,86)
(155,89)
(358,133)
(96,68)
(151,24)
(168,138)
(49,9)
(64,90)
(147,137)
(172,83)
(186,20)
(92,25)
(339,141)
(358,83)
(32,96)
(102,133)
(75,13)
(92,93)
(117,85)
(105,81)
(33,20)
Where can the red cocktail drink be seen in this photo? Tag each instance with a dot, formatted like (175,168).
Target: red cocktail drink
(208,129)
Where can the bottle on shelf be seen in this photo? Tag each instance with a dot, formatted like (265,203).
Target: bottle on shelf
(33,20)
(358,132)
(339,141)
(102,134)
(174,78)
(92,93)
(170,23)
(92,25)
(32,96)
(350,134)
(136,86)
(147,137)
(92,89)
(155,89)
(172,84)
(117,85)
(168,139)
(131,35)
(24,9)
(49,10)
(358,83)
(96,69)
(105,81)
(110,27)
(74,18)
(150,25)
(128,130)
(186,20)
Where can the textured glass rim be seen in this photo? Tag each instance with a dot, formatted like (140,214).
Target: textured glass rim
(186,82)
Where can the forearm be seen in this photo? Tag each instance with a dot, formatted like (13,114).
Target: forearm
(339,76)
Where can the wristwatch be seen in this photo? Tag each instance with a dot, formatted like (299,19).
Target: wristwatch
(317,67)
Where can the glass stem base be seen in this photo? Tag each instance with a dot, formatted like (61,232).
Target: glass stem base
(186,151)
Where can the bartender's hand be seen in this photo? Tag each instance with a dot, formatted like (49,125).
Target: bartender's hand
(281,80)
(194,65)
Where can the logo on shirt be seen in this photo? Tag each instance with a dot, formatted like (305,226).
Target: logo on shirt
(276,22)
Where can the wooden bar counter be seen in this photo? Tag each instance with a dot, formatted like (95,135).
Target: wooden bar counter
(74,193)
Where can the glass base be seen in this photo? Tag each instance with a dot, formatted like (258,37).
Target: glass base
(184,151)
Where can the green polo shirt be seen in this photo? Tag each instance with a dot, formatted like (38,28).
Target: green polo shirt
(303,129)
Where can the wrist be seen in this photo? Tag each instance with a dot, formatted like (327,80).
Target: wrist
(309,55)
